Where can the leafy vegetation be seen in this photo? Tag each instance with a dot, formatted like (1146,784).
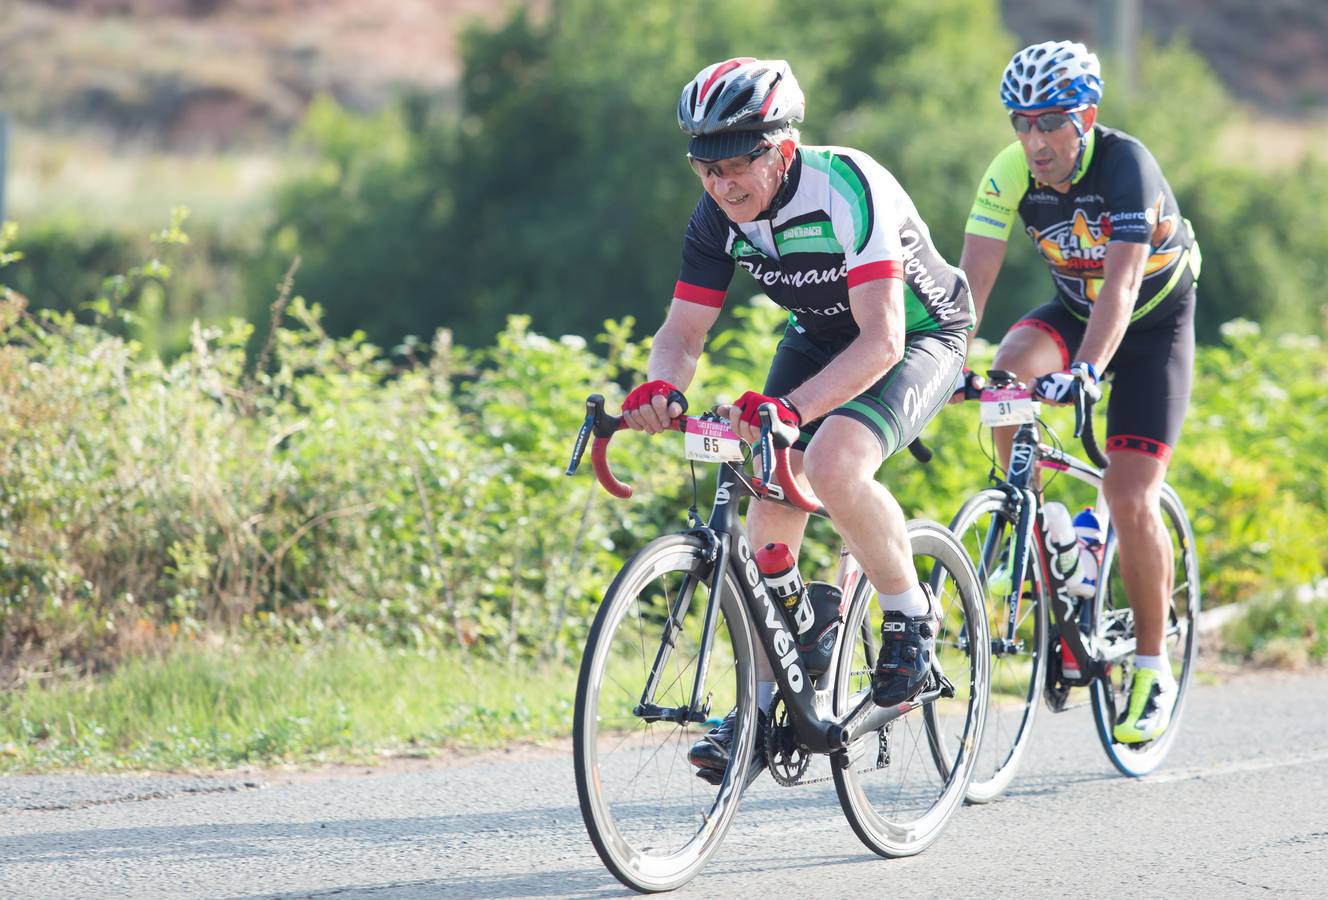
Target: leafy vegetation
(418,500)
(557,190)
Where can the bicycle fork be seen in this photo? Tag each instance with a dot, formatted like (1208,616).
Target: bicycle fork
(695,711)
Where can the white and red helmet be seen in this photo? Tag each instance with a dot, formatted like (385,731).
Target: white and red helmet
(729,106)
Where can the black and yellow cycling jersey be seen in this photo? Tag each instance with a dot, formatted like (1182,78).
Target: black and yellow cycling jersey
(1118,194)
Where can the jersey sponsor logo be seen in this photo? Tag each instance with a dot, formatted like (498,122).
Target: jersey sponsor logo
(993,189)
(987,221)
(802,231)
(1089,198)
(941,302)
(1076,249)
(769,277)
(991,205)
(1041,197)
(745,248)
(837,310)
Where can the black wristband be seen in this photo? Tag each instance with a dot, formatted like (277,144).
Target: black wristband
(789,403)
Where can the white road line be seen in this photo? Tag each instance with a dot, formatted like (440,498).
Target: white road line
(1245,765)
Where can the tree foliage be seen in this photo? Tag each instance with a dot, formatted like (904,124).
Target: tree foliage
(553,184)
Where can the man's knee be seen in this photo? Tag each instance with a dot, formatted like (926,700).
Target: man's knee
(1028,353)
(840,469)
(1133,499)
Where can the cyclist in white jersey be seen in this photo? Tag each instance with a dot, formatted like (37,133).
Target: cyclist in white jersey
(875,341)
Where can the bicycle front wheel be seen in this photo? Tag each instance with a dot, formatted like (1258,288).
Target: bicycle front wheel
(651,819)
(1181,642)
(895,796)
(986,531)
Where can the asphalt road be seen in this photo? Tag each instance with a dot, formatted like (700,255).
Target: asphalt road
(1240,809)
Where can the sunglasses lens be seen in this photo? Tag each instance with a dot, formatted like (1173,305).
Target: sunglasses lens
(1049,122)
(1022,124)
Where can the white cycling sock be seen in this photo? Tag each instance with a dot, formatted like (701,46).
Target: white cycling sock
(913,602)
(765,695)
(1157,663)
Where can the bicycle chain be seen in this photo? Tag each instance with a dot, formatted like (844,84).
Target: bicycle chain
(802,759)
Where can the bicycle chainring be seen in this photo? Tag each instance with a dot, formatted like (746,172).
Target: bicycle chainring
(786,760)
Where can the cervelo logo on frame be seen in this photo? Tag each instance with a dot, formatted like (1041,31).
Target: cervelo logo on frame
(785,649)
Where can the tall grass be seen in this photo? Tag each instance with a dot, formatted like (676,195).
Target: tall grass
(223,704)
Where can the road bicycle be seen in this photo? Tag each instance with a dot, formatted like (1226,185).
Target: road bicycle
(1032,612)
(673,647)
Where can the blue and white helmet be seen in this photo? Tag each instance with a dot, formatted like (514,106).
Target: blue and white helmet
(1052,75)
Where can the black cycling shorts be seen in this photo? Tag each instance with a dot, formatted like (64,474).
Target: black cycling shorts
(896,408)
(1151,375)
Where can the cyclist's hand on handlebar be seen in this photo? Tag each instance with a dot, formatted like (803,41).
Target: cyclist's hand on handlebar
(650,407)
(968,387)
(1059,387)
(744,416)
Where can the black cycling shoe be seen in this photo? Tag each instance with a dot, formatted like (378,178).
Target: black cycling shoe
(710,754)
(908,644)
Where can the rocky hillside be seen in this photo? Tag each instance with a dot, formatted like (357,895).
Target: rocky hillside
(201,74)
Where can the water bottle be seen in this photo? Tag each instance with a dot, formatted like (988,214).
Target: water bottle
(812,609)
(1089,531)
(1064,542)
(780,571)
(817,644)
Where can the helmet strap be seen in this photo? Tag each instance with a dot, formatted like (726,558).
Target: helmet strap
(781,194)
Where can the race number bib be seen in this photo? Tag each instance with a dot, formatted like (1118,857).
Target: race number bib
(1008,406)
(712,442)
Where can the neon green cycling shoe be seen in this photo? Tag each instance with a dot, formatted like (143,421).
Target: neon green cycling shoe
(1149,712)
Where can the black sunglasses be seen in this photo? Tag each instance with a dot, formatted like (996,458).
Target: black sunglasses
(1046,122)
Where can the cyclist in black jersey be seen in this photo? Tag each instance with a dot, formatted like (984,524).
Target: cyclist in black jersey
(875,340)
(1125,266)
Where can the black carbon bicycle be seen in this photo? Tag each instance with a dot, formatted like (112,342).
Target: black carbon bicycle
(1031,611)
(673,647)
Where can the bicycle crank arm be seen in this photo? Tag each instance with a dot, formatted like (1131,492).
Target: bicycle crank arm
(868,717)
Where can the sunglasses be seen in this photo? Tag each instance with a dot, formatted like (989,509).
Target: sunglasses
(735,169)
(1046,122)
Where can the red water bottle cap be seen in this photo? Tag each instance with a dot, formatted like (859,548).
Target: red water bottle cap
(774,558)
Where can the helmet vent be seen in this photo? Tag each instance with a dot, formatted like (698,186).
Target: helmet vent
(692,103)
(714,97)
(744,97)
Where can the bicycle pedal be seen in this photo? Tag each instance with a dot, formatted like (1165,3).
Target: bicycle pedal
(713,777)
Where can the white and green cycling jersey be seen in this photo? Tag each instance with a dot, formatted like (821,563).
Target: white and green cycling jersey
(840,219)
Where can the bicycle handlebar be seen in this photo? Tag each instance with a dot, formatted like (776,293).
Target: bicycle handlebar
(776,440)
(1085,397)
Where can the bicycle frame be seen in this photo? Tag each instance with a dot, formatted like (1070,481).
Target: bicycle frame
(1027,454)
(810,704)
(1083,633)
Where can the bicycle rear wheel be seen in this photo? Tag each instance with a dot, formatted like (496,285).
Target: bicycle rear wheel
(894,795)
(652,821)
(986,531)
(1115,622)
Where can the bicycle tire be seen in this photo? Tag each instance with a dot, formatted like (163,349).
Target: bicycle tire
(1110,693)
(903,811)
(1017,674)
(657,843)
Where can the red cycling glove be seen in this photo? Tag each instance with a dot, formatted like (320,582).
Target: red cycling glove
(751,402)
(643,394)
